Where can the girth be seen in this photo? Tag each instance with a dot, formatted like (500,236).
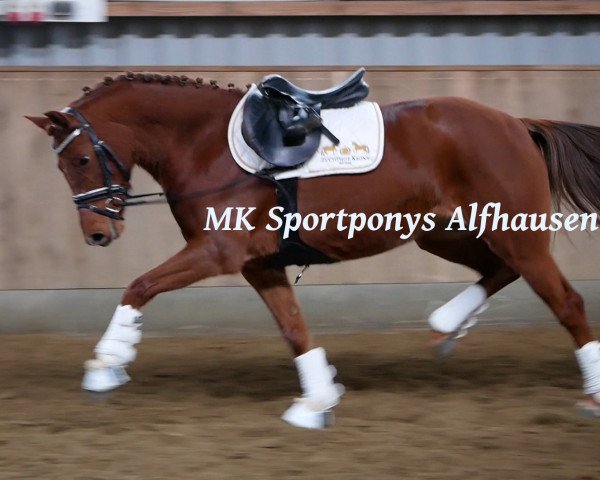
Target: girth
(292,250)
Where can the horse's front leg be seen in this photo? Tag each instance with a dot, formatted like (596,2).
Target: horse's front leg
(116,348)
(320,394)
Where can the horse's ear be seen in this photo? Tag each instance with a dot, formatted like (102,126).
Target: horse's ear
(51,123)
(43,122)
(58,118)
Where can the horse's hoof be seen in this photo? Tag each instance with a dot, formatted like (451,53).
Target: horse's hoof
(443,344)
(301,415)
(103,378)
(589,407)
(444,348)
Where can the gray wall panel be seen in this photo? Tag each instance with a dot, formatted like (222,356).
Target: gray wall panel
(281,41)
(239,311)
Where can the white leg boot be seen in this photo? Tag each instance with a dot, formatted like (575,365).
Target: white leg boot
(114,351)
(458,315)
(320,394)
(588,358)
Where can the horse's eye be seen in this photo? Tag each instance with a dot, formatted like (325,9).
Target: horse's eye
(83,161)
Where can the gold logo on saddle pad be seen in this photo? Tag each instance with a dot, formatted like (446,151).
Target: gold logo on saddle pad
(344,150)
(329,149)
(360,148)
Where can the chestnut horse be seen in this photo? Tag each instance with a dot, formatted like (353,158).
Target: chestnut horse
(439,154)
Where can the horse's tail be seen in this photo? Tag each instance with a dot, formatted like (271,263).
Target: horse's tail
(572,154)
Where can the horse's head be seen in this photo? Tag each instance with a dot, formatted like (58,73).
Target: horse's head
(97,177)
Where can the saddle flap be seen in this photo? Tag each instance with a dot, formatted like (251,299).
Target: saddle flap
(263,131)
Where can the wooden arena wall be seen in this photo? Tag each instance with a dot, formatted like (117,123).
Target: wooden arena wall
(42,247)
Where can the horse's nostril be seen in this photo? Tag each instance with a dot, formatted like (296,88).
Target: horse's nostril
(98,238)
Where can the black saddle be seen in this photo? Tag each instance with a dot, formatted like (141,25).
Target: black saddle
(282,122)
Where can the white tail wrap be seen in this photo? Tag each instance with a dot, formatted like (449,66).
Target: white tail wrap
(316,380)
(588,358)
(116,347)
(450,316)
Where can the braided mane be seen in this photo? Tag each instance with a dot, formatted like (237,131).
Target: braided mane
(180,80)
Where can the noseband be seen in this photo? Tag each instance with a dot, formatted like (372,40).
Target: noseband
(113,193)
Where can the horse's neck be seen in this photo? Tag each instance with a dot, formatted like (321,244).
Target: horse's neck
(177,127)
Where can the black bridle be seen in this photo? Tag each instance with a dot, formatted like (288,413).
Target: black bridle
(116,195)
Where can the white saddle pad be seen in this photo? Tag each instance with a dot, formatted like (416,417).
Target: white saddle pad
(359,128)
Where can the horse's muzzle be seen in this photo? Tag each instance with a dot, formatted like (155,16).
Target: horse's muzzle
(99,230)
(98,239)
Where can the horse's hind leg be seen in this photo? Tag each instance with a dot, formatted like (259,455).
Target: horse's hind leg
(452,319)
(320,394)
(529,255)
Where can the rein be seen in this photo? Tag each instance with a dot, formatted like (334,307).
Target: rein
(181,198)
(113,193)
